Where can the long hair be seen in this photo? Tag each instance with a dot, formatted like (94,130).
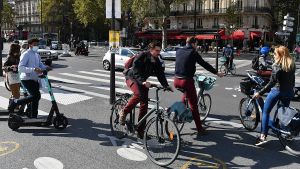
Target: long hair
(286,61)
(14,48)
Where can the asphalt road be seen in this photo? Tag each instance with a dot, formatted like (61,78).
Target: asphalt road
(81,88)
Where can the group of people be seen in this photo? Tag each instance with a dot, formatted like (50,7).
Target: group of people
(24,68)
(282,82)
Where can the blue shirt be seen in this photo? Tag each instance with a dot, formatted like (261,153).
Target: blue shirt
(30,60)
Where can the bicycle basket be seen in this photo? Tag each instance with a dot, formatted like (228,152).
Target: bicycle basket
(223,59)
(204,81)
(246,87)
(180,113)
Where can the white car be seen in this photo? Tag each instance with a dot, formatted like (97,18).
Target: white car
(121,56)
(170,52)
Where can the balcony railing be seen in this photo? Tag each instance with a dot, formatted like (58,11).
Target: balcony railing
(221,11)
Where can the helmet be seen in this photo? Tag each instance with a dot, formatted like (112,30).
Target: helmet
(264,50)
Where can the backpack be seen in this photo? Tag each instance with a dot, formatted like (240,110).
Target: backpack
(128,64)
(255,63)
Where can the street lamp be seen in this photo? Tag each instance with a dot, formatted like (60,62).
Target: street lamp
(42,19)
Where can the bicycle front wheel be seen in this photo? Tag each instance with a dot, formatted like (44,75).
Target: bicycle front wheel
(224,70)
(204,105)
(116,128)
(291,142)
(249,115)
(162,147)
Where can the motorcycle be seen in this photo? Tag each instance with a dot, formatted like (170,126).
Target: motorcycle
(82,51)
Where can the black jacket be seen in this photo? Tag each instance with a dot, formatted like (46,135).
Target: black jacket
(143,67)
(186,59)
(9,62)
(284,81)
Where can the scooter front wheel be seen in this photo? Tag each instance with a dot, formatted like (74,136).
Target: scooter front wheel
(13,122)
(60,122)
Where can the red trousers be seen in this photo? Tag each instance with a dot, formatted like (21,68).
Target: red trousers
(191,93)
(140,95)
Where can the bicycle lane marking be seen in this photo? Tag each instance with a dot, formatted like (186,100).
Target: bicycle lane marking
(128,150)
(8,147)
(204,161)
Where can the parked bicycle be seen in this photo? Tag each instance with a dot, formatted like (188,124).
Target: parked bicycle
(251,109)
(183,113)
(224,67)
(161,136)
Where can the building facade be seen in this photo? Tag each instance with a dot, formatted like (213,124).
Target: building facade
(254,21)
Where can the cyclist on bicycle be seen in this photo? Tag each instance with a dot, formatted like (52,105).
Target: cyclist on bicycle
(144,65)
(228,54)
(185,68)
(282,82)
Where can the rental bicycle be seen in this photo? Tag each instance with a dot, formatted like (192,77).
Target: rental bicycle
(224,67)
(204,83)
(161,136)
(250,110)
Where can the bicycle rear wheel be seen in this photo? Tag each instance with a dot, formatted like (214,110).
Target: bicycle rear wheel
(161,147)
(249,115)
(291,142)
(224,70)
(204,105)
(117,129)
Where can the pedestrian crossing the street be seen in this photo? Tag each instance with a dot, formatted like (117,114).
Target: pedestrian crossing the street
(78,86)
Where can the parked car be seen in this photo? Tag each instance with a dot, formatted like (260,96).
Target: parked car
(121,56)
(45,54)
(42,43)
(93,43)
(170,52)
(56,45)
(54,55)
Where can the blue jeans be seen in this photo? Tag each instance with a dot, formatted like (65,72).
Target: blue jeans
(271,100)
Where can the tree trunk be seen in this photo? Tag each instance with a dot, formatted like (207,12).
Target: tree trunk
(164,33)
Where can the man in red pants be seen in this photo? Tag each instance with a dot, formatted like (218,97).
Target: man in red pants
(185,68)
(144,65)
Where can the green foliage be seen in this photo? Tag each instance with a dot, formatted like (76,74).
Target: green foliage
(7,13)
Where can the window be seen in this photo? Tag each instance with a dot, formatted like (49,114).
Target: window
(200,5)
(216,22)
(239,4)
(255,21)
(257,3)
(239,21)
(124,52)
(216,5)
(199,23)
(184,7)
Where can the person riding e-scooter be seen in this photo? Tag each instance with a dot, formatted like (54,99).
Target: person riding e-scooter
(30,67)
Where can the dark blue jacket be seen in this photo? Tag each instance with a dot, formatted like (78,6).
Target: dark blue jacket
(186,59)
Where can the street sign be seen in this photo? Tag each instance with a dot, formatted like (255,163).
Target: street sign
(114,40)
(282,33)
(288,23)
(109,9)
(287,29)
(286,17)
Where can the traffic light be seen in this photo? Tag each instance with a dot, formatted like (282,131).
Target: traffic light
(288,23)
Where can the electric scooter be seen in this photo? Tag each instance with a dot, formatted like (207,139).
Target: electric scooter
(20,118)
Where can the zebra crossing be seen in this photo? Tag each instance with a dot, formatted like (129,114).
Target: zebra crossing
(74,87)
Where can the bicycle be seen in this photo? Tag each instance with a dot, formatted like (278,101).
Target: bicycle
(224,67)
(250,110)
(204,83)
(161,135)
(6,82)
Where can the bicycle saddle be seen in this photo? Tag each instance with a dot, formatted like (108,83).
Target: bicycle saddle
(180,89)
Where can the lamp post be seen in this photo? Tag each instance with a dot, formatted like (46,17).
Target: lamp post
(1,39)
(42,31)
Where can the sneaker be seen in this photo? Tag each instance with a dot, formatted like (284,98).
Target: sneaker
(122,117)
(12,105)
(260,141)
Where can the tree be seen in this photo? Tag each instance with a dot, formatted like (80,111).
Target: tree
(7,14)
(232,18)
(159,9)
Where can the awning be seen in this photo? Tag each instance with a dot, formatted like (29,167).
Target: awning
(238,35)
(205,36)
(254,34)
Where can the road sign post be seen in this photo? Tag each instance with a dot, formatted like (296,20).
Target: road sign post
(1,39)
(288,24)
(113,10)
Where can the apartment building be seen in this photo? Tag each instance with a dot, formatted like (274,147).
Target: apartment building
(206,16)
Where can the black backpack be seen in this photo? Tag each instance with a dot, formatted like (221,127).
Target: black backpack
(255,63)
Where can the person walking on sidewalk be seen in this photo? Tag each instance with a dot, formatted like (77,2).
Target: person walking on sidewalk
(144,65)
(185,68)
(30,67)
(11,68)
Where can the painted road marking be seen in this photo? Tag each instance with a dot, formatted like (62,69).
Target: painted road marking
(8,147)
(71,89)
(48,163)
(204,161)
(67,80)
